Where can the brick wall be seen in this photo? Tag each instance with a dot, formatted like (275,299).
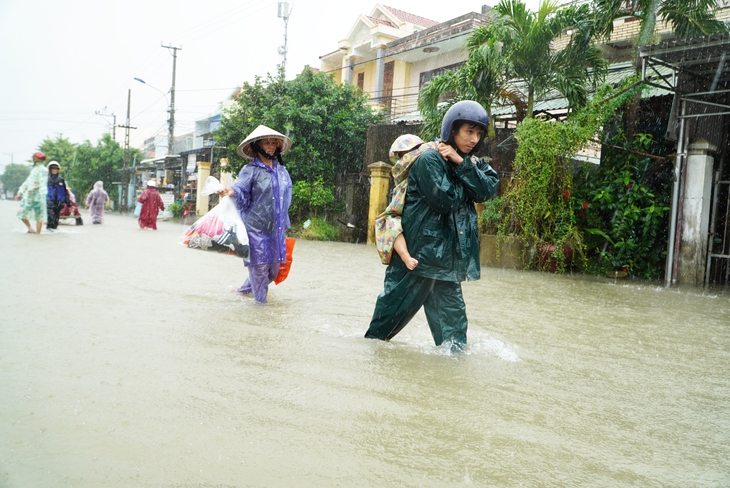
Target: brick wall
(628,29)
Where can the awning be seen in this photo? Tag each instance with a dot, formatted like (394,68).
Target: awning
(703,57)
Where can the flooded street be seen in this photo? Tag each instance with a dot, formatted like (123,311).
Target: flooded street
(126,360)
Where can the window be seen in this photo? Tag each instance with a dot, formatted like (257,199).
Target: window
(427,76)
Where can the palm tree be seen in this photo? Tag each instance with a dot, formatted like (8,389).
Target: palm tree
(527,39)
(512,61)
(481,78)
(688,18)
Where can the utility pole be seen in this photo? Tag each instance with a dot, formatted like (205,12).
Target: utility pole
(171,121)
(171,136)
(125,163)
(114,124)
(284,13)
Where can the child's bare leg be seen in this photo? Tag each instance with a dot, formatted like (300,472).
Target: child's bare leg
(402,249)
(38,227)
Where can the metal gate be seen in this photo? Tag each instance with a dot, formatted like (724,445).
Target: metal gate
(718,248)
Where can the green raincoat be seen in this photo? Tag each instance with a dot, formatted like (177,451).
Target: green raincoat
(441,232)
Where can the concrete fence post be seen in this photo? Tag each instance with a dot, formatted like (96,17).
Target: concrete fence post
(379,185)
(201,201)
(696,213)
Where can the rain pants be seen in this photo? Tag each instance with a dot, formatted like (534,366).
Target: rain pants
(440,227)
(263,196)
(56,198)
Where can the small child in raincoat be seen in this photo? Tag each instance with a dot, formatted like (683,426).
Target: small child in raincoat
(388,228)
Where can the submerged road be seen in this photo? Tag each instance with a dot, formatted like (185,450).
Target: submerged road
(126,360)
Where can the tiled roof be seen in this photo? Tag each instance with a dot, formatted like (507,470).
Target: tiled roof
(411,18)
(375,20)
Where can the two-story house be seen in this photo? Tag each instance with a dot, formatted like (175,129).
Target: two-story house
(391,54)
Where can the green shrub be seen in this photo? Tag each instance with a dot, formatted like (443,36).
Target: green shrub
(318,229)
(491,216)
(624,207)
(311,197)
(176,209)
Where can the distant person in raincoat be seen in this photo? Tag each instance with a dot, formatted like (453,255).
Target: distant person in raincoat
(32,195)
(95,202)
(440,227)
(58,195)
(262,194)
(151,205)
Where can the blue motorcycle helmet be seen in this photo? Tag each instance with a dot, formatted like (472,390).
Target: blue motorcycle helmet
(464,111)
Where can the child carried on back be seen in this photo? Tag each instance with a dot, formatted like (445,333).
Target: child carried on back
(388,229)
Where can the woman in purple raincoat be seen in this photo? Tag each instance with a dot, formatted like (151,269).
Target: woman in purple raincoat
(262,194)
(95,202)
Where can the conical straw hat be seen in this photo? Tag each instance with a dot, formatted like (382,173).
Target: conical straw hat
(261,132)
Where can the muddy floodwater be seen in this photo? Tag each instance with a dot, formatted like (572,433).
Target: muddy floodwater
(127,361)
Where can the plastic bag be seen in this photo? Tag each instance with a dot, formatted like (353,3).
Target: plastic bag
(212,185)
(137,209)
(221,230)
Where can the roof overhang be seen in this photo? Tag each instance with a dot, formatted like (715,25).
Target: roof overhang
(444,37)
(702,57)
(335,57)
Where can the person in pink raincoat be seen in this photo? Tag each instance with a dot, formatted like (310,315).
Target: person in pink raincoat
(151,205)
(95,202)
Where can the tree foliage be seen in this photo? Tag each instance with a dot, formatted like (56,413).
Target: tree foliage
(481,78)
(84,164)
(623,205)
(326,122)
(14,176)
(538,205)
(528,39)
(688,18)
(61,150)
(96,163)
(512,60)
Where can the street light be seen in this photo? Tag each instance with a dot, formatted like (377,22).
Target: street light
(170,137)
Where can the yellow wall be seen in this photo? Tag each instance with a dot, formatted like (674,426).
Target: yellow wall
(369,70)
(334,71)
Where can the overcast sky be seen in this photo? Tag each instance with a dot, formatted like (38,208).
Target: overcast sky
(65,60)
